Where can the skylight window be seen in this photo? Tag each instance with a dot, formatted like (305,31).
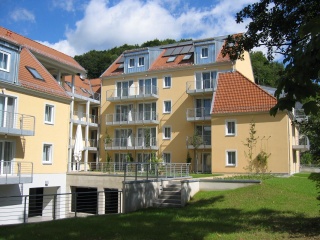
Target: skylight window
(171,59)
(187,57)
(69,84)
(121,66)
(35,73)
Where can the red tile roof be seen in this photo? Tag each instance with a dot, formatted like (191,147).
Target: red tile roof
(49,85)
(237,94)
(39,48)
(92,86)
(113,69)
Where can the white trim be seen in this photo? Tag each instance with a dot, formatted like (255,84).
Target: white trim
(52,112)
(50,162)
(204,47)
(164,82)
(139,61)
(129,66)
(164,133)
(227,159)
(226,127)
(164,107)
(8,62)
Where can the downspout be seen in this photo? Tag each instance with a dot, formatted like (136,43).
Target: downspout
(290,140)
(71,126)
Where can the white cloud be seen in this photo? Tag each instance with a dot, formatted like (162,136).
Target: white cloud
(136,21)
(62,46)
(22,14)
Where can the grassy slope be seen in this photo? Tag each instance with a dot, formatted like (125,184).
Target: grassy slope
(278,208)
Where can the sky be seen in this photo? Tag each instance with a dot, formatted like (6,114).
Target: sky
(75,27)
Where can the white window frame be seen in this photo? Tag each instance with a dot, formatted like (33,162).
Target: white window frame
(227,127)
(164,132)
(164,106)
(131,65)
(227,158)
(50,160)
(8,61)
(205,51)
(139,64)
(52,113)
(169,154)
(164,81)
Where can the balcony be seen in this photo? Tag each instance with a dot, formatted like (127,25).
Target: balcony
(14,172)
(81,118)
(203,142)
(135,118)
(15,124)
(91,145)
(299,115)
(133,94)
(301,143)
(138,143)
(198,114)
(200,87)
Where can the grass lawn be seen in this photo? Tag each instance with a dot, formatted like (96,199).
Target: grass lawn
(279,208)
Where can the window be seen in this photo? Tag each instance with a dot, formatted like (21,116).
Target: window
(171,59)
(49,114)
(167,82)
(131,62)
(231,158)
(206,80)
(230,127)
(35,73)
(166,157)
(4,61)
(204,52)
(166,132)
(47,153)
(141,61)
(167,106)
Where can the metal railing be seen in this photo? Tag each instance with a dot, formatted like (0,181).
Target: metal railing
(201,86)
(48,207)
(132,93)
(194,114)
(132,143)
(81,116)
(132,118)
(299,114)
(16,172)
(16,124)
(205,140)
(301,141)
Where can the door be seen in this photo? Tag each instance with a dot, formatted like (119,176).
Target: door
(6,157)
(7,111)
(206,162)
(35,202)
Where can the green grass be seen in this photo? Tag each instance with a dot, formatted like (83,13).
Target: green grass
(279,208)
(203,175)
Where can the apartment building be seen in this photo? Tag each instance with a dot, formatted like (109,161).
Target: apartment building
(185,100)
(37,119)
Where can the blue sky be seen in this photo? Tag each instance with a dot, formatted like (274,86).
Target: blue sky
(78,26)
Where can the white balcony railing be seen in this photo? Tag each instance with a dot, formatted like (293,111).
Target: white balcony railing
(132,93)
(301,143)
(199,87)
(132,118)
(197,114)
(16,172)
(81,117)
(16,124)
(132,143)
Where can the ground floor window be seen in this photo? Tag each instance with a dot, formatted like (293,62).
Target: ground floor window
(166,157)
(231,156)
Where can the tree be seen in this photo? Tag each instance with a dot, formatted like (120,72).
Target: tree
(196,140)
(265,72)
(290,28)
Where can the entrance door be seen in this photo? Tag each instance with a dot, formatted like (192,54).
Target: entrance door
(6,157)
(206,162)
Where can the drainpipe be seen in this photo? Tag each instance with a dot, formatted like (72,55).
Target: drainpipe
(71,126)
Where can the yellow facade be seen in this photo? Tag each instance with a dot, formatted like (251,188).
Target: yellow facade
(29,148)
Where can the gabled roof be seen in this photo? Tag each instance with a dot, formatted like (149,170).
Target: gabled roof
(38,48)
(237,94)
(84,88)
(48,85)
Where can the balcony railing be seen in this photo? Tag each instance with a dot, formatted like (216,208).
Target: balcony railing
(204,141)
(81,117)
(299,115)
(132,118)
(197,114)
(301,143)
(16,124)
(132,93)
(16,172)
(92,143)
(132,143)
(200,87)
